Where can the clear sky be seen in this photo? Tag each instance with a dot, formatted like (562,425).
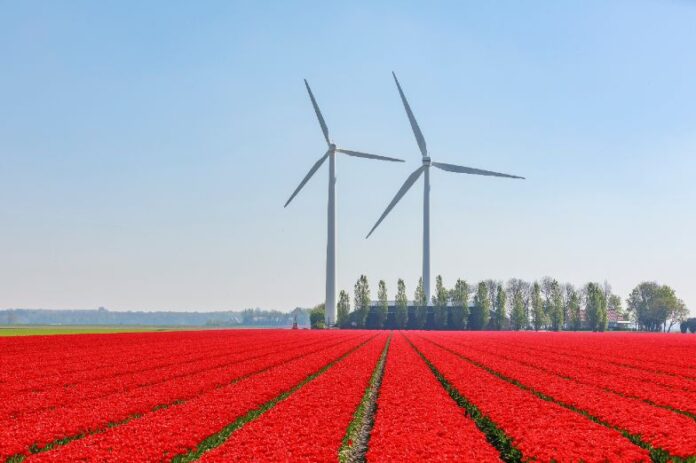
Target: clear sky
(147,148)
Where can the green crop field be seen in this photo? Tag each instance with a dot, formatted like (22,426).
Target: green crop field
(35,330)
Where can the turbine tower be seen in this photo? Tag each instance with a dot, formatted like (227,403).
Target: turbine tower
(330,303)
(425,169)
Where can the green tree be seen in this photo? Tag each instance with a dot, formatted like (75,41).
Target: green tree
(492,288)
(557,307)
(595,307)
(538,314)
(603,315)
(518,292)
(417,322)
(684,326)
(573,308)
(316,317)
(499,316)
(460,305)
(547,289)
(678,315)
(382,306)
(361,294)
(419,297)
(401,313)
(440,304)
(688,325)
(481,312)
(651,305)
(614,305)
(343,308)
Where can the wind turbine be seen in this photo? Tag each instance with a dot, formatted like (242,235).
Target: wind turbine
(331,212)
(425,169)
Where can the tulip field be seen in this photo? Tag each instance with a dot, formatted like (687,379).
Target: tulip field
(328,395)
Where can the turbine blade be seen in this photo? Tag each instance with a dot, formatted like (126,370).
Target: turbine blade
(471,170)
(314,168)
(358,154)
(399,194)
(414,125)
(319,116)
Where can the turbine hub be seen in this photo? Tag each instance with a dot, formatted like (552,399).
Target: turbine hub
(427,161)
(332,147)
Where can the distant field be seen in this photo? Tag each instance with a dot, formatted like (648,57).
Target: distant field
(32,330)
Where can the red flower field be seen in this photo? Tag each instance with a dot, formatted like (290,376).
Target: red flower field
(297,395)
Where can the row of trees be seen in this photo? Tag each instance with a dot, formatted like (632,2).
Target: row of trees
(517,305)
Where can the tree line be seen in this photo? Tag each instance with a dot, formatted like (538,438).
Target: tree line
(516,304)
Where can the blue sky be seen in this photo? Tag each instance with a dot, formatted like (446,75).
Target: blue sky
(146,149)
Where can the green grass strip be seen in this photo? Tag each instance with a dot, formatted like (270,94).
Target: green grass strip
(354,446)
(220,437)
(657,454)
(495,436)
(43,330)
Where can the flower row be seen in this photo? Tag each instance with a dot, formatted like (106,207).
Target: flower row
(40,428)
(417,419)
(158,371)
(541,430)
(626,382)
(661,428)
(310,424)
(162,434)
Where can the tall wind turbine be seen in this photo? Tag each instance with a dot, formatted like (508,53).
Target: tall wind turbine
(425,169)
(331,213)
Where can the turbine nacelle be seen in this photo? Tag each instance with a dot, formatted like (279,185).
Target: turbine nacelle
(330,301)
(427,161)
(415,175)
(332,148)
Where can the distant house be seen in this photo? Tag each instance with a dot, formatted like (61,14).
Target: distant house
(618,321)
(615,321)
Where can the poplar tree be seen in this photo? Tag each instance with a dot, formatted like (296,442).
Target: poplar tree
(481,312)
(573,309)
(440,305)
(547,284)
(518,291)
(556,313)
(343,308)
(500,315)
(401,313)
(595,307)
(383,305)
(419,296)
(538,315)
(361,293)
(418,320)
(492,288)
(460,305)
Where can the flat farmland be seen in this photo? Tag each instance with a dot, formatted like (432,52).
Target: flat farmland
(45,330)
(299,395)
